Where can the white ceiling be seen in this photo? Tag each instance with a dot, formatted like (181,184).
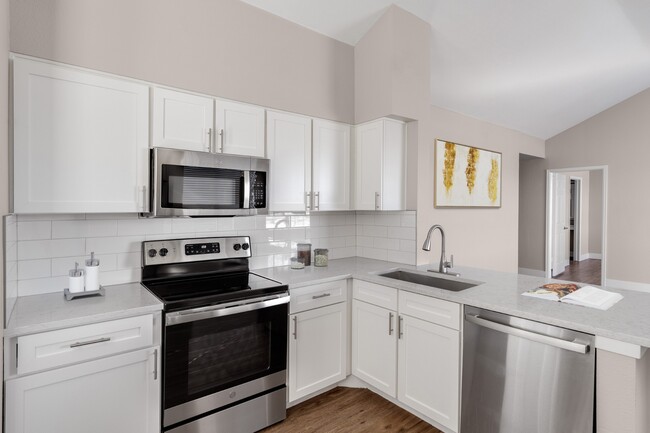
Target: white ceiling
(538,67)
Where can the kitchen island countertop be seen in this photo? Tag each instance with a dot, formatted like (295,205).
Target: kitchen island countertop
(627,321)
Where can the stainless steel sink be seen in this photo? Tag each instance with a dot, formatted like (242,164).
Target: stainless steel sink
(430,280)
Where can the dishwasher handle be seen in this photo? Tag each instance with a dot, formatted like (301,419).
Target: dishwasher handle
(528,335)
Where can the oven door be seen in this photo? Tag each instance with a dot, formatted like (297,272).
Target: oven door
(215,356)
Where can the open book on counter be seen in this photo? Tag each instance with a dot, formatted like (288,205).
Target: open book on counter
(569,293)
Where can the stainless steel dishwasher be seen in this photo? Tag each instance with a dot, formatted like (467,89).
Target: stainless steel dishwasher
(521,376)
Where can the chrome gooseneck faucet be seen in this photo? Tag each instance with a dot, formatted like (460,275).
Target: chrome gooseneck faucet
(444,266)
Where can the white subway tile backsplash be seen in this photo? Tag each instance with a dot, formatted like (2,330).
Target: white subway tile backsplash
(144,226)
(38,286)
(34,269)
(50,248)
(33,230)
(83,229)
(41,265)
(121,244)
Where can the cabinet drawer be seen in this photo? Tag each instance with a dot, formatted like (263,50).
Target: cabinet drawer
(81,343)
(375,294)
(317,295)
(432,310)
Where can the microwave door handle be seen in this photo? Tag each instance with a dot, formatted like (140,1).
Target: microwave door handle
(247,190)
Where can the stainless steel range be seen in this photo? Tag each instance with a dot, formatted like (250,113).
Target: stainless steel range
(224,339)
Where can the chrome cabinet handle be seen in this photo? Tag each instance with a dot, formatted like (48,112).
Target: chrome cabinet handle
(390,323)
(324,295)
(528,335)
(317,200)
(400,326)
(309,201)
(209,146)
(221,134)
(155,364)
(295,327)
(377,205)
(87,343)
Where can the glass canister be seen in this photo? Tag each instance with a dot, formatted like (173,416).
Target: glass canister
(304,254)
(321,256)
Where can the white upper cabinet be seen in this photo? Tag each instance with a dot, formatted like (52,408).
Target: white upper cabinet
(380,165)
(239,128)
(81,140)
(193,122)
(331,166)
(182,120)
(289,149)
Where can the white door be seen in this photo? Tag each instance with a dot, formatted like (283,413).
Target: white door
(116,394)
(80,141)
(331,165)
(393,195)
(374,346)
(369,143)
(182,120)
(317,349)
(429,370)
(240,128)
(289,149)
(559,223)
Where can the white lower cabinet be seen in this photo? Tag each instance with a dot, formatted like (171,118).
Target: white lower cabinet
(101,378)
(429,366)
(318,341)
(374,348)
(120,393)
(408,346)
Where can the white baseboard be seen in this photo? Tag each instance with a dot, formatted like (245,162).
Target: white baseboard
(590,256)
(532,272)
(629,285)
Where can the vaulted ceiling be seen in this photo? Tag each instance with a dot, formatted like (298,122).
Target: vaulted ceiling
(538,67)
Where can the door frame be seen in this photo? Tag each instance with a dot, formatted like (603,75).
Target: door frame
(549,217)
(577,218)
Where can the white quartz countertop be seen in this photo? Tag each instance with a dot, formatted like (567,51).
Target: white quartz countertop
(47,312)
(627,321)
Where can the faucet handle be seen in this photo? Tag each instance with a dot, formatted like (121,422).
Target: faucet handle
(450,264)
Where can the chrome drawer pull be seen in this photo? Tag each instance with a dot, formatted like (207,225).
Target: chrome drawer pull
(86,343)
(324,295)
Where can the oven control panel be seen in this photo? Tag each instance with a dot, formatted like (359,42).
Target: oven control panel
(195,250)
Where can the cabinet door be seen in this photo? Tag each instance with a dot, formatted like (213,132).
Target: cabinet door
(374,346)
(429,365)
(240,128)
(116,394)
(182,120)
(369,143)
(80,141)
(317,349)
(331,165)
(289,149)
(393,188)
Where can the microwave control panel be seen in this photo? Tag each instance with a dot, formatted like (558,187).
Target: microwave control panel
(258,190)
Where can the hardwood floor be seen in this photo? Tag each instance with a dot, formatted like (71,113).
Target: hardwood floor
(347,410)
(586,271)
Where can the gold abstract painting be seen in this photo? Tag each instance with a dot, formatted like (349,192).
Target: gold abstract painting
(466,176)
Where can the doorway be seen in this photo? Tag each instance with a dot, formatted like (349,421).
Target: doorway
(576,224)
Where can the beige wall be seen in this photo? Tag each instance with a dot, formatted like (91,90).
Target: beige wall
(483,238)
(4,143)
(224,48)
(596,212)
(620,139)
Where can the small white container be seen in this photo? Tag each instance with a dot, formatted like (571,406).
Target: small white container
(76,279)
(92,273)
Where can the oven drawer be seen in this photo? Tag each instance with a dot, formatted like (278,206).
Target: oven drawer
(67,346)
(317,295)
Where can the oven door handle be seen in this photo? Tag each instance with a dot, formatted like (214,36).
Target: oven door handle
(178,317)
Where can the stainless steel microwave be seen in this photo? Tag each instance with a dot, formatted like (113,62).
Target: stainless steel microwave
(201,184)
